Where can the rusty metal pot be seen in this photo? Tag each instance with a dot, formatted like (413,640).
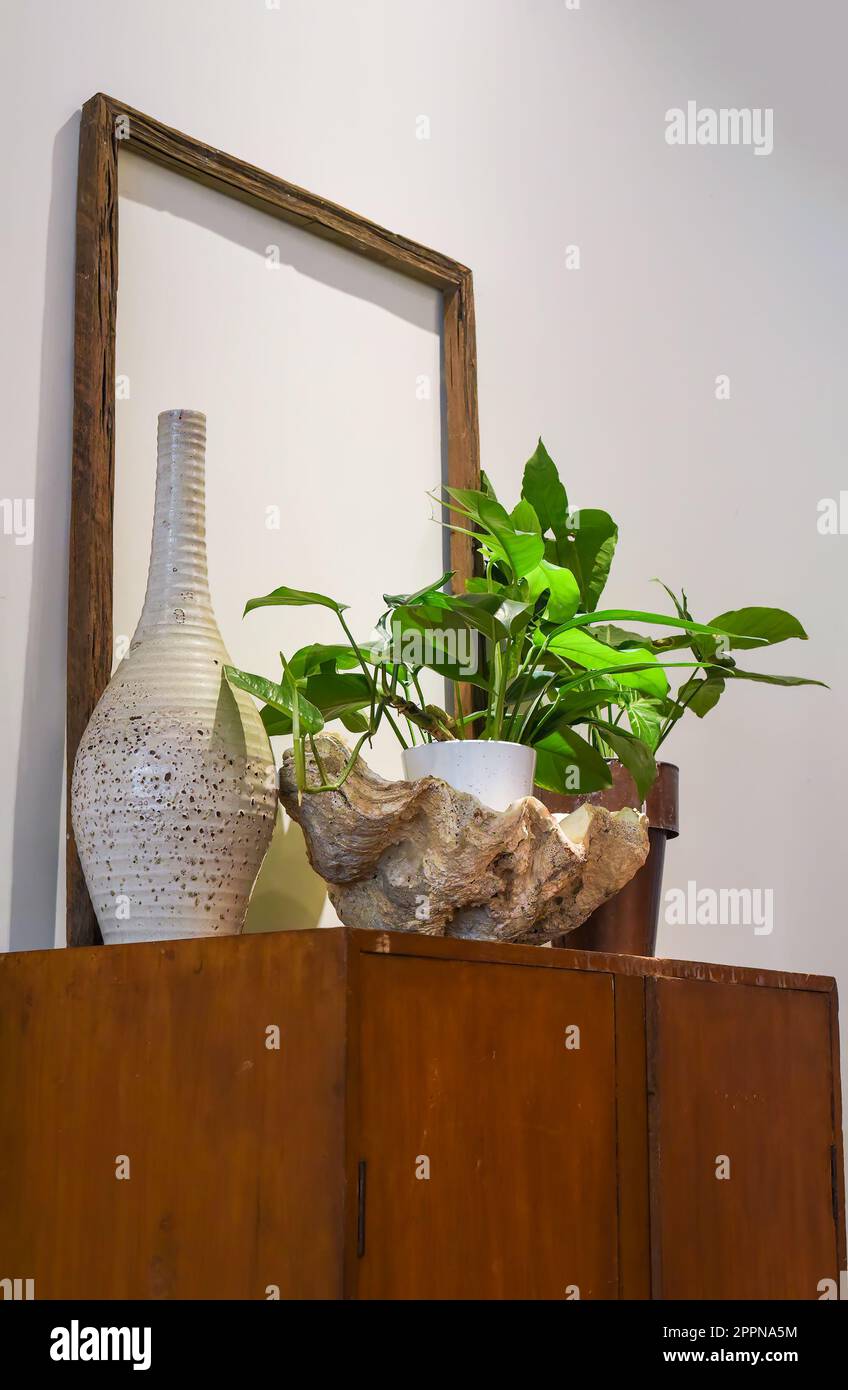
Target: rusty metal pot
(627,924)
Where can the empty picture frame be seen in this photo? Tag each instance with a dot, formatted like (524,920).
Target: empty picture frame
(108,127)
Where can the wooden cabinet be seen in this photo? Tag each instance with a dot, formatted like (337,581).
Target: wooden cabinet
(743,1084)
(350,1114)
(475,1118)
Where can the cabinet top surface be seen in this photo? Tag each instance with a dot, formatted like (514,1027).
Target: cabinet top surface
(559,958)
(413,944)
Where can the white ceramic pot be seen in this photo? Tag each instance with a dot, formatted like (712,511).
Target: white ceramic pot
(496,773)
(174,792)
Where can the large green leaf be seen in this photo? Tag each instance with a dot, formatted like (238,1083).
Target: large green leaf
(335,695)
(562,587)
(322,655)
(568,708)
(520,550)
(275,721)
(635,615)
(543,489)
(764,625)
(766,679)
(478,611)
(527,687)
(740,628)
(701,693)
(492,612)
(566,763)
(513,614)
(635,755)
(443,660)
(645,718)
(421,595)
(615,636)
(524,518)
(486,485)
(579,646)
(277,696)
(294,598)
(442,641)
(586,546)
(355,723)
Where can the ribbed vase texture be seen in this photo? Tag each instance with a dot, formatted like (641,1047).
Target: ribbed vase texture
(174,795)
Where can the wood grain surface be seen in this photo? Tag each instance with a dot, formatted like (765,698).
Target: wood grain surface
(631,1101)
(551,1168)
(741,1082)
(158,1054)
(89,642)
(467,1070)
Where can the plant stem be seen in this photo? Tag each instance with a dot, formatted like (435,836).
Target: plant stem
(419,692)
(535,705)
(369,676)
(401,740)
(502,671)
(678,710)
(431,719)
(345,773)
(459,712)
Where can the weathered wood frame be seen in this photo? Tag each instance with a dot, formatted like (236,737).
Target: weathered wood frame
(106,126)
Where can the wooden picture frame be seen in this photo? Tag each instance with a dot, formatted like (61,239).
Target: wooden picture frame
(106,127)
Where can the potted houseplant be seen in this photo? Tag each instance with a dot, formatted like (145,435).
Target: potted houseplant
(549,688)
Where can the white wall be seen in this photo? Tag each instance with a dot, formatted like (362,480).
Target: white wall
(319,373)
(546,129)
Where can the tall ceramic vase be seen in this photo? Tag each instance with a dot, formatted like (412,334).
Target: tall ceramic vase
(174,795)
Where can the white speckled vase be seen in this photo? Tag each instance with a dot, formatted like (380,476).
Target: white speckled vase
(174,794)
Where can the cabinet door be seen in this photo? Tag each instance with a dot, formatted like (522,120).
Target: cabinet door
(487,1125)
(742,1136)
(152,1144)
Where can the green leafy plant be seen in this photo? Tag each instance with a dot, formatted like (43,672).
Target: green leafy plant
(530,656)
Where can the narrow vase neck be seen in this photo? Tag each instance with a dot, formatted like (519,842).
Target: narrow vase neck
(178,582)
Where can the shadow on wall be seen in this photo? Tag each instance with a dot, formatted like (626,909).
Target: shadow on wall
(38,792)
(304,252)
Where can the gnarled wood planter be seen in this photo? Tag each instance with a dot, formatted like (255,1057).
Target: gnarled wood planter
(421,856)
